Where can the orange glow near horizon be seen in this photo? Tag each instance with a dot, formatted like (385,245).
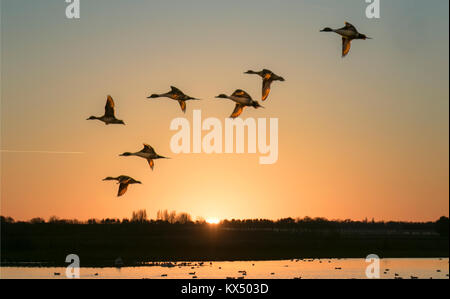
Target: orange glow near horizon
(379,149)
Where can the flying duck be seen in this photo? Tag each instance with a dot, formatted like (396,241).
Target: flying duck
(124,181)
(268,77)
(147,153)
(242,100)
(177,95)
(348,34)
(109,117)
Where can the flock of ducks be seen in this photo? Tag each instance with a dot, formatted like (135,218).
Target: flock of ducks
(240,97)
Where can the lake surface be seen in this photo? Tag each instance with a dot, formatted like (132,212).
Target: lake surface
(306,269)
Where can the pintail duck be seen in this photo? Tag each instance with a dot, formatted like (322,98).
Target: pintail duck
(124,181)
(177,95)
(147,153)
(348,34)
(242,100)
(109,117)
(268,77)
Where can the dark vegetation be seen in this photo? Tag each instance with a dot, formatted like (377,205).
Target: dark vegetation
(175,237)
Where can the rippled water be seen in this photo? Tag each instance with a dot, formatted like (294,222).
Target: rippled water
(306,269)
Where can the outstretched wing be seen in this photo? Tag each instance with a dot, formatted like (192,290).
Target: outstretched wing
(109,108)
(182,105)
(176,90)
(346,45)
(266,88)
(241,93)
(122,189)
(148,149)
(349,26)
(237,111)
(151,163)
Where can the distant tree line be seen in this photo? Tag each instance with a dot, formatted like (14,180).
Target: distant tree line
(165,217)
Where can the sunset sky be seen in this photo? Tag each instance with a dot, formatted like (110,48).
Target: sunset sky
(364,136)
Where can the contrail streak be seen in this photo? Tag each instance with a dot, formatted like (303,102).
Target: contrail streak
(41,152)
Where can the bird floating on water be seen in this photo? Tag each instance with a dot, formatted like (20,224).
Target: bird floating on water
(242,100)
(268,77)
(147,153)
(124,181)
(108,117)
(177,95)
(348,34)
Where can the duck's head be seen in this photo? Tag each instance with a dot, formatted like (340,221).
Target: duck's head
(120,122)
(109,179)
(326,29)
(92,118)
(222,96)
(153,96)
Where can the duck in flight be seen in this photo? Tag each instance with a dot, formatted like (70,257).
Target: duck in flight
(109,117)
(268,77)
(177,95)
(124,181)
(242,100)
(348,34)
(147,153)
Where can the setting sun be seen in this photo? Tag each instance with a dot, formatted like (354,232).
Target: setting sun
(212,221)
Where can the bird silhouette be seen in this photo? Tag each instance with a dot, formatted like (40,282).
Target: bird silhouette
(124,181)
(177,95)
(268,77)
(242,100)
(348,33)
(147,153)
(108,117)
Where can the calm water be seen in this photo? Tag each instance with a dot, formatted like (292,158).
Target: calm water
(306,269)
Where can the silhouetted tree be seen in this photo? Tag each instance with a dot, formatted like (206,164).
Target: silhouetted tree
(53,219)
(139,216)
(442,226)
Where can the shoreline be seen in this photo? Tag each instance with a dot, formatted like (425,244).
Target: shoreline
(193,263)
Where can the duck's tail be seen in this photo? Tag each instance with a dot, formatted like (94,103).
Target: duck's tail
(327,29)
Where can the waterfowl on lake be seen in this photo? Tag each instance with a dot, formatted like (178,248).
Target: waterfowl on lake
(268,77)
(108,117)
(177,95)
(348,33)
(147,153)
(242,100)
(124,181)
